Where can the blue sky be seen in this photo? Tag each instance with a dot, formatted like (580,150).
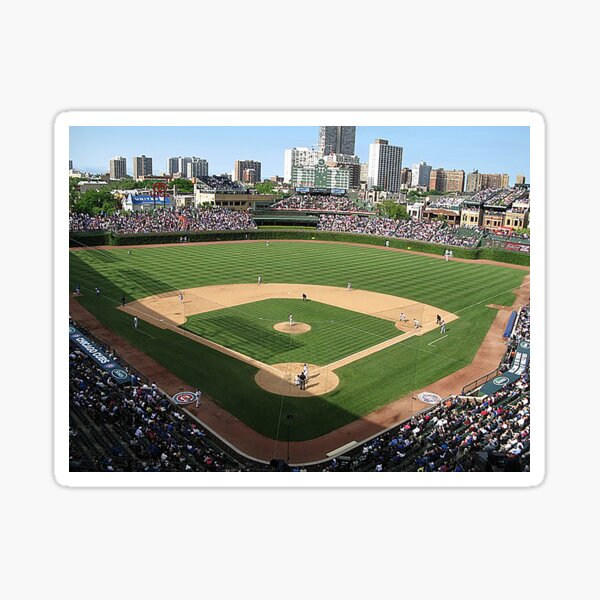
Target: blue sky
(488,149)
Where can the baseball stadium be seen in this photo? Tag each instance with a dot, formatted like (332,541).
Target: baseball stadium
(309,335)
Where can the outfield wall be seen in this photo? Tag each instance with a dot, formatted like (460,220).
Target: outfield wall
(77,239)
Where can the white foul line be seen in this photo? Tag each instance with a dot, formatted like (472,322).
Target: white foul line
(434,341)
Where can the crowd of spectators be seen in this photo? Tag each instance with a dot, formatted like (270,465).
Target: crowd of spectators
(483,196)
(418,230)
(219,183)
(506,197)
(164,220)
(435,231)
(445,202)
(320,203)
(457,236)
(132,427)
(346,223)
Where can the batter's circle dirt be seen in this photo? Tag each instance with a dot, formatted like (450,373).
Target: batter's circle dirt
(294,329)
(280,380)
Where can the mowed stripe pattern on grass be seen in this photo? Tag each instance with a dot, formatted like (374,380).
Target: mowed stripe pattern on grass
(449,285)
(365,385)
(335,332)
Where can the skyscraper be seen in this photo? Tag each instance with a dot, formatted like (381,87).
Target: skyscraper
(172,165)
(118,167)
(336,140)
(420,174)
(197,167)
(183,162)
(142,166)
(385,165)
(520,179)
(241,165)
(405,177)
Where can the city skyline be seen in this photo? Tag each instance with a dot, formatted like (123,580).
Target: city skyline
(494,149)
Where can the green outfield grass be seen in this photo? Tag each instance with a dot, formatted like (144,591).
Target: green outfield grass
(335,332)
(461,288)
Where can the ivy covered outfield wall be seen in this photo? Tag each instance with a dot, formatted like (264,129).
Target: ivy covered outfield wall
(111,239)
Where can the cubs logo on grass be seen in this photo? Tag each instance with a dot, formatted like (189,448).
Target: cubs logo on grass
(183,398)
(429,397)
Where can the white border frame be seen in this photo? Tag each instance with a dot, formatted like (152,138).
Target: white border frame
(530,119)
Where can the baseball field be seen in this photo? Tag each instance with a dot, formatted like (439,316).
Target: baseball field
(231,337)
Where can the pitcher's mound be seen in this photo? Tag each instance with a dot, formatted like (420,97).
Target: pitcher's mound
(280,380)
(285,327)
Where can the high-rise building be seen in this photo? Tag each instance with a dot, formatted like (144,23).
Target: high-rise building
(385,165)
(336,140)
(70,165)
(249,176)
(520,179)
(197,167)
(118,167)
(142,166)
(182,164)
(420,174)
(405,177)
(301,157)
(364,172)
(172,165)
(241,165)
(441,180)
(473,182)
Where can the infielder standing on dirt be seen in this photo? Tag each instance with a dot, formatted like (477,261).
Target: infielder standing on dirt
(259,280)
(403,317)
(291,318)
(349,287)
(181,297)
(442,326)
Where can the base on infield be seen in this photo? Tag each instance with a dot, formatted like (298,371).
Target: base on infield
(280,380)
(294,329)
